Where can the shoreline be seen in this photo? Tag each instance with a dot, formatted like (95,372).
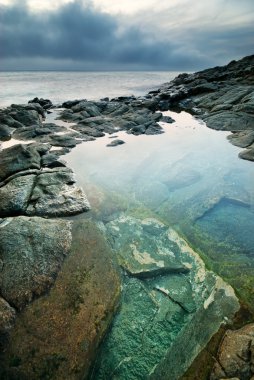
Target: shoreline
(36,184)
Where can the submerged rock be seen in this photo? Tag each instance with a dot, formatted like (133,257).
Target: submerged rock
(57,336)
(160,316)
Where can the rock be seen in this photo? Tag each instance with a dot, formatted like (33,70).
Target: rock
(51,160)
(31,250)
(72,103)
(89,107)
(58,335)
(242,139)
(167,119)
(235,357)
(32,106)
(45,103)
(55,194)
(115,142)
(5,132)
(7,318)
(15,195)
(36,132)
(148,252)
(161,315)
(182,179)
(229,121)
(26,117)
(6,119)
(19,158)
(66,140)
(248,154)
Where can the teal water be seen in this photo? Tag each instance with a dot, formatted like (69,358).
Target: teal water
(191,178)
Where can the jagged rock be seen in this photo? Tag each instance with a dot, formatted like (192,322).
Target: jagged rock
(248,154)
(31,252)
(58,335)
(26,117)
(45,103)
(55,194)
(236,355)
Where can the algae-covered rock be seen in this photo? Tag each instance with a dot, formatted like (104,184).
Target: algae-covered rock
(56,337)
(156,334)
(31,252)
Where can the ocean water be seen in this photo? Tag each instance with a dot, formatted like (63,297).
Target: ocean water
(19,87)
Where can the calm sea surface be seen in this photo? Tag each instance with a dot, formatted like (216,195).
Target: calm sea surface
(19,87)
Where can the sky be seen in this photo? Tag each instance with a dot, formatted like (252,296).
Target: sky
(170,35)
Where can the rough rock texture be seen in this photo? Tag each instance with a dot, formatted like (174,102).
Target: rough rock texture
(54,194)
(18,158)
(236,355)
(7,318)
(222,96)
(115,143)
(57,336)
(31,253)
(160,316)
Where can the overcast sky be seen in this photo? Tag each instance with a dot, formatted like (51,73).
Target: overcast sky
(176,35)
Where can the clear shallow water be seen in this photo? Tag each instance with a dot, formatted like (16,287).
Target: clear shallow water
(191,178)
(19,87)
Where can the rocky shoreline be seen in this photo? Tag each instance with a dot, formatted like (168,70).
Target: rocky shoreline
(59,274)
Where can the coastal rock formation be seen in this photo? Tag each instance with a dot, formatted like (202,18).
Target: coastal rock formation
(27,189)
(57,336)
(221,96)
(32,250)
(167,295)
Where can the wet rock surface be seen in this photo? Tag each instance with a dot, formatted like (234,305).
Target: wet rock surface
(161,311)
(221,96)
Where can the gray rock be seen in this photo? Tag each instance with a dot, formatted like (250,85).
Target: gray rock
(26,117)
(242,139)
(5,132)
(116,142)
(31,250)
(15,195)
(55,194)
(247,154)
(18,158)
(6,119)
(89,107)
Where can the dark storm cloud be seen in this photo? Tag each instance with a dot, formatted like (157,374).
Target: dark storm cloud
(83,34)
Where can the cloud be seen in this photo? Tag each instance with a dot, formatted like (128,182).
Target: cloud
(79,35)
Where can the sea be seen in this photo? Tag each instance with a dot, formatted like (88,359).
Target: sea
(21,86)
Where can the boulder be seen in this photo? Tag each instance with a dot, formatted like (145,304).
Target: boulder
(15,195)
(7,318)
(58,335)
(242,139)
(26,117)
(31,251)
(19,158)
(55,194)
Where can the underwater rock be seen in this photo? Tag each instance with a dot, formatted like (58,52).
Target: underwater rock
(31,251)
(160,316)
(57,336)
